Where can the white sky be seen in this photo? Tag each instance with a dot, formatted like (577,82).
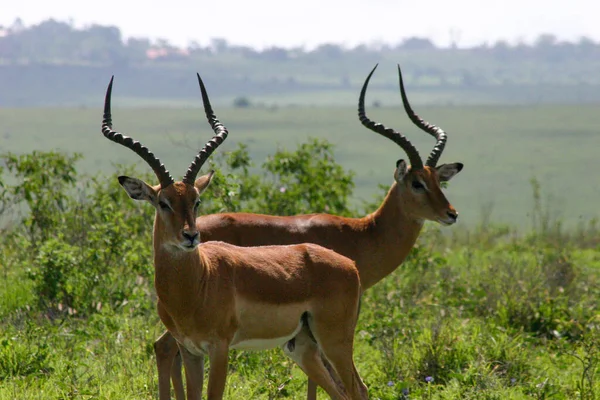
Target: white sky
(263,23)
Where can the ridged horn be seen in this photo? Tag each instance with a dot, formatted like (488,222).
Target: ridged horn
(159,169)
(396,137)
(435,131)
(220,135)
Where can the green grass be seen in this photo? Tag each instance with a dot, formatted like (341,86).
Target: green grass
(510,320)
(502,147)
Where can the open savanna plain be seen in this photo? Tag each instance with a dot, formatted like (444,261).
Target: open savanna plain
(502,148)
(503,305)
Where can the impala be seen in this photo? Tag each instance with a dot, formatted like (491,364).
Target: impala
(216,296)
(378,242)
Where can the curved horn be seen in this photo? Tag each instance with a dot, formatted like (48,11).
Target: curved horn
(433,130)
(220,135)
(161,172)
(396,137)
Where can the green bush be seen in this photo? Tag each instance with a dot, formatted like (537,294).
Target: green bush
(304,181)
(43,183)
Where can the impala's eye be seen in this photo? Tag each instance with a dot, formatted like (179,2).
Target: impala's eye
(197,204)
(418,186)
(163,205)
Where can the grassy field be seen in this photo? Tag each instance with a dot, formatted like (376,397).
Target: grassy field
(503,148)
(500,321)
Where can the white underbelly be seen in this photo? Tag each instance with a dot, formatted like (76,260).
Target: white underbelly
(262,344)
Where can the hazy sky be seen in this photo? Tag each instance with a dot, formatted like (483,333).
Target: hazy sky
(262,23)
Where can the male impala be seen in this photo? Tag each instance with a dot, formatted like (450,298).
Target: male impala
(217,296)
(378,242)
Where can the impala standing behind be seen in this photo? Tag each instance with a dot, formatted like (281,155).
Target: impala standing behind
(378,242)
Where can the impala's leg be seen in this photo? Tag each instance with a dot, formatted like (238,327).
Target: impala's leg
(311,390)
(168,360)
(332,372)
(194,365)
(340,355)
(336,343)
(218,354)
(177,378)
(163,364)
(305,352)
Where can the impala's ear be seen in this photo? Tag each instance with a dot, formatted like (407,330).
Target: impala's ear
(401,170)
(447,171)
(202,183)
(138,189)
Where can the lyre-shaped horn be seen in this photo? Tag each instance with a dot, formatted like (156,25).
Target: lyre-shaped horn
(396,137)
(220,136)
(433,130)
(159,169)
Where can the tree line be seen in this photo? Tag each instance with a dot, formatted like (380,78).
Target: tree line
(34,57)
(59,41)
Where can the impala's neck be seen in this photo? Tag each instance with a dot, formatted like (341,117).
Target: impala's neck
(392,234)
(176,272)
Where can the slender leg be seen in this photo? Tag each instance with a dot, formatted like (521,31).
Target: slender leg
(169,350)
(336,342)
(218,355)
(311,390)
(305,352)
(165,350)
(340,356)
(332,373)
(177,378)
(194,366)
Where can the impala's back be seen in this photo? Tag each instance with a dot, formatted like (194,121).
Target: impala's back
(286,284)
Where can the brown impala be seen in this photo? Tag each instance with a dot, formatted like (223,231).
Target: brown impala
(378,242)
(216,296)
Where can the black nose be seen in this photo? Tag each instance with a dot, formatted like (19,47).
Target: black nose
(190,236)
(452,215)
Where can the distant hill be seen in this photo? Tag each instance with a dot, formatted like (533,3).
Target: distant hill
(53,63)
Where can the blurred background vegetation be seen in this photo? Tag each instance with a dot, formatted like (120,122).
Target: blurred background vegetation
(54,63)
